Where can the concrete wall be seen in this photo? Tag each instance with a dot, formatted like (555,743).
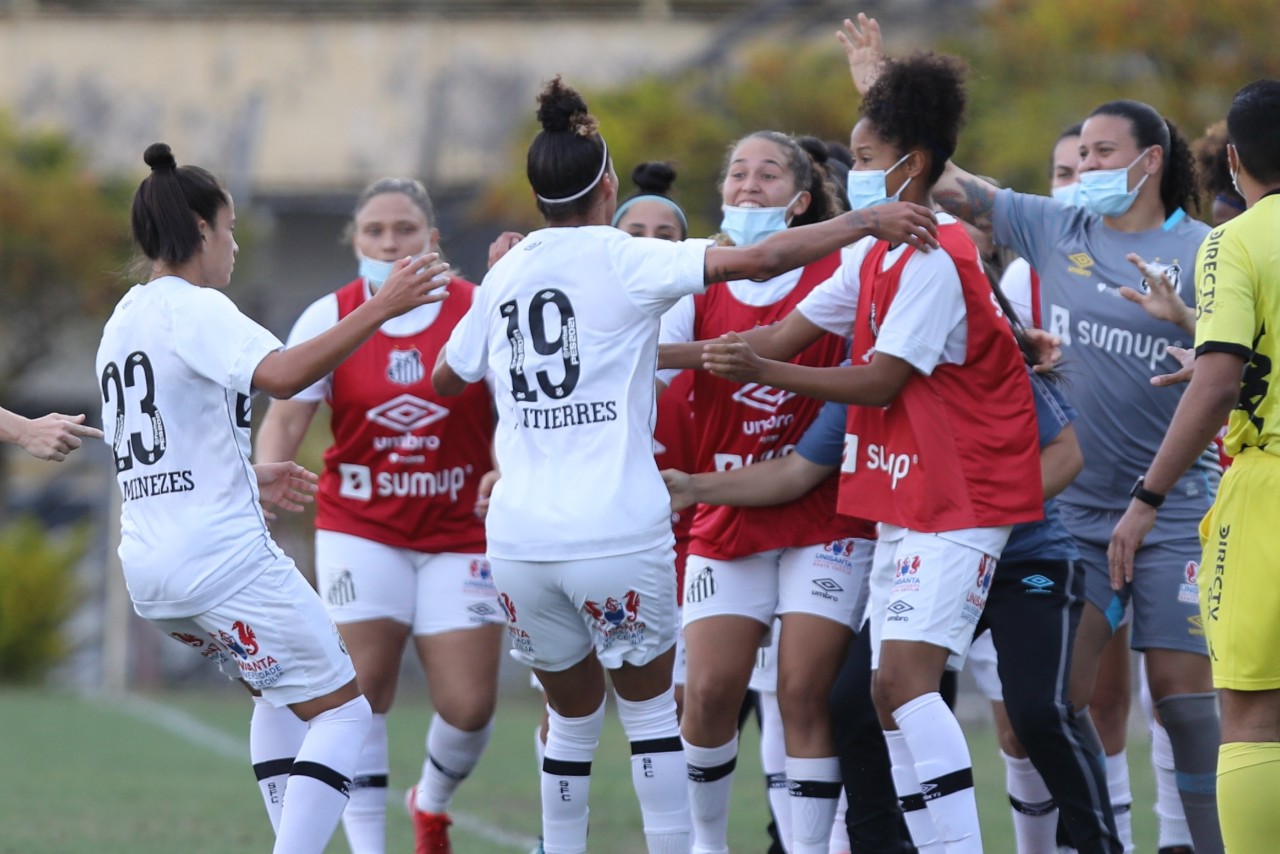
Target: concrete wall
(291,103)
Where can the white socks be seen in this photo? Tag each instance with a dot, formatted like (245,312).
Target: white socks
(1121,797)
(321,777)
(1035,816)
(944,769)
(566,781)
(815,792)
(451,755)
(919,823)
(275,734)
(1173,829)
(365,818)
(710,772)
(773,761)
(658,771)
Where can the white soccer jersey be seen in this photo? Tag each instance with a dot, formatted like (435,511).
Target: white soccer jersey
(175,367)
(567,322)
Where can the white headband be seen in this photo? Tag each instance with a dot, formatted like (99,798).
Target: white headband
(604,162)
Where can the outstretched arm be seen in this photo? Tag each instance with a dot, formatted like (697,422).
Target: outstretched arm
(50,437)
(763,484)
(781,341)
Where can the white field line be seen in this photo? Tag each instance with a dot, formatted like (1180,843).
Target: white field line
(228,746)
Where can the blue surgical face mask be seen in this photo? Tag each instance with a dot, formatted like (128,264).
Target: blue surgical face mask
(869,187)
(375,272)
(1106,191)
(748,226)
(1068,194)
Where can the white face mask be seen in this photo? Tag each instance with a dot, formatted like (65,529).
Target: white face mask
(869,187)
(1106,191)
(1068,194)
(748,226)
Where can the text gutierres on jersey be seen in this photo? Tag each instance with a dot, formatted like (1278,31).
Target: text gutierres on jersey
(162,483)
(568,415)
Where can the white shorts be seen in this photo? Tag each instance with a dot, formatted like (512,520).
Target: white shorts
(982,666)
(361,580)
(930,589)
(275,635)
(680,669)
(622,606)
(764,676)
(826,580)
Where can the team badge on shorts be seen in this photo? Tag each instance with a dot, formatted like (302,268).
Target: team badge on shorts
(342,590)
(1188,591)
(618,622)
(257,671)
(906,578)
(976,599)
(701,586)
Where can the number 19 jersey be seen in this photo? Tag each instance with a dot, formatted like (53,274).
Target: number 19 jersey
(567,322)
(175,368)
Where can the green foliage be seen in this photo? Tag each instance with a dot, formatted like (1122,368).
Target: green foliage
(1037,66)
(63,241)
(37,594)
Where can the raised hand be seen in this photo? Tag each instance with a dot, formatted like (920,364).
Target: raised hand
(900,222)
(1161,300)
(413,282)
(52,437)
(1187,358)
(731,357)
(863,49)
(285,485)
(502,244)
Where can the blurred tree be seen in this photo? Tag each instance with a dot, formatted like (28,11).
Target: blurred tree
(1037,66)
(63,245)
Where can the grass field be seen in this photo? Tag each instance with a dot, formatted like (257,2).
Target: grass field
(169,773)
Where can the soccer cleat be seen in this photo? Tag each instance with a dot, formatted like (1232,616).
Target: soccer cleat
(430,830)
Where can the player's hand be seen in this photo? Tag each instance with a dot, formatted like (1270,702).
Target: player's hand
(1187,358)
(1128,535)
(680,486)
(730,357)
(1046,347)
(502,245)
(900,222)
(484,492)
(413,282)
(51,437)
(864,50)
(1161,300)
(285,485)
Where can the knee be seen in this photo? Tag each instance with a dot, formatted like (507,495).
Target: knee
(892,689)
(713,697)
(1034,723)
(801,699)
(467,716)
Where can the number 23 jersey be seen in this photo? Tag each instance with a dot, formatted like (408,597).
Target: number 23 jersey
(175,369)
(567,322)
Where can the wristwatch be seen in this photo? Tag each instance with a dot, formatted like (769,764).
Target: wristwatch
(1145,495)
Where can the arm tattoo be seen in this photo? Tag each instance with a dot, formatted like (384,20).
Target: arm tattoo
(974,202)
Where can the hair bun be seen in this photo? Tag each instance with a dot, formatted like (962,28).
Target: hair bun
(561,108)
(654,177)
(159,156)
(816,148)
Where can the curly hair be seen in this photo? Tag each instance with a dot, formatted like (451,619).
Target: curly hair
(918,103)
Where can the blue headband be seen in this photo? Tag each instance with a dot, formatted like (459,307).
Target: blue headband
(652,197)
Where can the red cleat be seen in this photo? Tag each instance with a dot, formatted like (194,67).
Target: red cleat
(430,830)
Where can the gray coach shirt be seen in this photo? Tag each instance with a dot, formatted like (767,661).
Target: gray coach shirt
(1111,347)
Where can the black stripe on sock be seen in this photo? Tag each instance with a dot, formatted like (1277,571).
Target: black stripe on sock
(272,768)
(947,784)
(561,768)
(911,803)
(323,773)
(369,781)
(457,776)
(697,774)
(657,745)
(813,789)
(1033,808)
(775,781)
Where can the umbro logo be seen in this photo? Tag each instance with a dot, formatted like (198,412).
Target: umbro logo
(482,609)
(1037,584)
(900,607)
(406,413)
(828,584)
(763,397)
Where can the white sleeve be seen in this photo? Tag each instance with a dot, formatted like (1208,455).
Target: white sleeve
(658,273)
(319,317)
(925,313)
(833,305)
(467,351)
(677,328)
(218,342)
(1015,284)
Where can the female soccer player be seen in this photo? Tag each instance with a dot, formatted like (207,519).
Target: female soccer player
(399,548)
(931,349)
(176,366)
(748,564)
(1136,182)
(579,529)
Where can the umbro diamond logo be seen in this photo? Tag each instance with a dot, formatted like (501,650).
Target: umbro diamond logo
(828,584)
(763,397)
(900,607)
(406,413)
(1037,584)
